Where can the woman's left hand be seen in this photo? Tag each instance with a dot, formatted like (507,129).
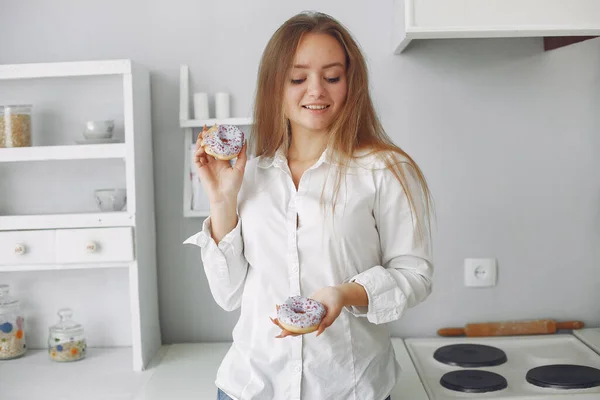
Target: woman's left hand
(332,298)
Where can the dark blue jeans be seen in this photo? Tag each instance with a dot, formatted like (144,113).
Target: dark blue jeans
(222,396)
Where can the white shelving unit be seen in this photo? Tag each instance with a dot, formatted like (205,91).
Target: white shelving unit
(188,126)
(87,241)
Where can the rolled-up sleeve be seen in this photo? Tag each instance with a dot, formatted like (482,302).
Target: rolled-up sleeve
(404,278)
(224,264)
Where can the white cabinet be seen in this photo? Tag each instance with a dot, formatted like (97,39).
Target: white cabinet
(57,248)
(65,246)
(101,245)
(27,247)
(444,19)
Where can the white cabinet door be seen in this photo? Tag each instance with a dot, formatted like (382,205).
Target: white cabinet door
(444,19)
(27,247)
(94,245)
(490,15)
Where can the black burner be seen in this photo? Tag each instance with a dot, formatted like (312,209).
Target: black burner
(470,355)
(564,376)
(473,381)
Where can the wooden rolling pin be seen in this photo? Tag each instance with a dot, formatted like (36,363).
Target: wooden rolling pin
(510,328)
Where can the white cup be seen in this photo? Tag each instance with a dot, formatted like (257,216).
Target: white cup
(201,106)
(222,105)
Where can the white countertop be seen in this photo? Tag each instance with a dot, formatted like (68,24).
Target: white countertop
(178,372)
(105,374)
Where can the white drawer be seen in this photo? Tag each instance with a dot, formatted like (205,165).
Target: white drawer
(94,245)
(27,247)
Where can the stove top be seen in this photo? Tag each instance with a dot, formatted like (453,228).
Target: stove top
(470,355)
(564,376)
(548,367)
(473,381)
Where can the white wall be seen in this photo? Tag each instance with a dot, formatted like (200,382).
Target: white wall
(506,134)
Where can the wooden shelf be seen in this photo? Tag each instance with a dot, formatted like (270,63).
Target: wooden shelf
(65,221)
(69,152)
(199,123)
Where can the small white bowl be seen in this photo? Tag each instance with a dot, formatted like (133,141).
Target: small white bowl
(99,129)
(111,199)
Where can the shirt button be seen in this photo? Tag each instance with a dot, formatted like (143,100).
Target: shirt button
(298,368)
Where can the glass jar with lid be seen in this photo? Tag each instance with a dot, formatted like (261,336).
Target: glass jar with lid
(66,339)
(12,333)
(15,126)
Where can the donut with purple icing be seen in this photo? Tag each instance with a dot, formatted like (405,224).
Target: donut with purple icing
(223,142)
(300,314)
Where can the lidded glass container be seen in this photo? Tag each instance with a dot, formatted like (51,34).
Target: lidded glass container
(12,333)
(15,126)
(66,339)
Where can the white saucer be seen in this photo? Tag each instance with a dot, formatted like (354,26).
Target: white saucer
(97,141)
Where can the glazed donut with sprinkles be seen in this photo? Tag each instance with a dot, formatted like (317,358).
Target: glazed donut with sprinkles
(224,142)
(300,314)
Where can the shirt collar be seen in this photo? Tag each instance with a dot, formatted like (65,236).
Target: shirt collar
(280,159)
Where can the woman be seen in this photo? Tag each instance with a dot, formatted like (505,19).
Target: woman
(329,209)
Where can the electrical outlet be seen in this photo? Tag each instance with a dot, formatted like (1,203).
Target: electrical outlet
(480,272)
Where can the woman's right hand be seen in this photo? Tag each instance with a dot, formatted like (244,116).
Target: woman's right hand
(221,181)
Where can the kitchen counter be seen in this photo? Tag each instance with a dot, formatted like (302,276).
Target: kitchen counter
(105,374)
(178,372)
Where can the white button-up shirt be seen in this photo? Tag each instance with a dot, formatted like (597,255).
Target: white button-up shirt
(286,244)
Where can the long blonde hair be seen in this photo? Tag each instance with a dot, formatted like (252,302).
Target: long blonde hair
(357,127)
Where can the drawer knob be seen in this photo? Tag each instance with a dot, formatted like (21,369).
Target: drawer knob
(20,249)
(91,247)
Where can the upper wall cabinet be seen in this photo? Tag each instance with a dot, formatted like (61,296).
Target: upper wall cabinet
(452,19)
